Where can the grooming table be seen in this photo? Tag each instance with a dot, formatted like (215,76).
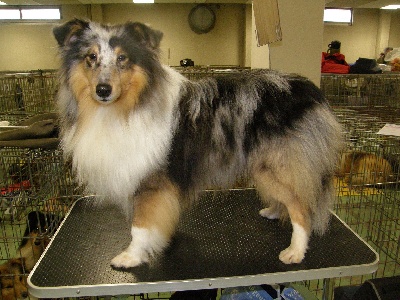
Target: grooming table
(221,242)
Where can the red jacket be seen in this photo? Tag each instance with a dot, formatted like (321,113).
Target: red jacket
(334,63)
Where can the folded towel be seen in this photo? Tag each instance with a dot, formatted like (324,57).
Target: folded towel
(45,143)
(40,117)
(40,131)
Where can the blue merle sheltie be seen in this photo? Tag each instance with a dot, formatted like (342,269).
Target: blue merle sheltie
(142,135)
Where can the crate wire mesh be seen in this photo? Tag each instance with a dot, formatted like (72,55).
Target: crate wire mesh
(34,182)
(30,92)
(363,104)
(370,205)
(362,89)
(196,73)
(372,208)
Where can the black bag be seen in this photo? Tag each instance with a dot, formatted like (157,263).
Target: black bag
(380,288)
(365,66)
(187,62)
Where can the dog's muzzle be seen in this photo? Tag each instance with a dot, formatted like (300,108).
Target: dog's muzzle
(103,91)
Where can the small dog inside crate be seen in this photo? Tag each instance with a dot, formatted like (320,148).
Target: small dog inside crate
(36,237)
(362,168)
(13,280)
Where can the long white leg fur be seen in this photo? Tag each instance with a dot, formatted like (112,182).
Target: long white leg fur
(298,246)
(145,244)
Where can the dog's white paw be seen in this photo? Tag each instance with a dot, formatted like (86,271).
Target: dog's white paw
(269,213)
(291,255)
(145,245)
(295,253)
(127,260)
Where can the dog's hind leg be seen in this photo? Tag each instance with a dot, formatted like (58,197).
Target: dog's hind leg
(273,211)
(155,217)
(276,189)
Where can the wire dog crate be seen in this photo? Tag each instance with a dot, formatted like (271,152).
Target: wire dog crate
(36,184)
(39,180)
(36,192)
(196,73)
(371,90)
(367,200)
(28,92)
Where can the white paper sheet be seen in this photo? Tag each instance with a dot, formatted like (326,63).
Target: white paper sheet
(390,129)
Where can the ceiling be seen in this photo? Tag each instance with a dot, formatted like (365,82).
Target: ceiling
(60,2)
(328,3)
(360,3)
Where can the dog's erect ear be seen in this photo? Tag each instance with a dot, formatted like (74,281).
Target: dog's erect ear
(66,33)
(145,34)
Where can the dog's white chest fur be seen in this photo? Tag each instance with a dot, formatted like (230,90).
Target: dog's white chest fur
(111,154)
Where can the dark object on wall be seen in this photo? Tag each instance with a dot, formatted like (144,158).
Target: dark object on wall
(202,19)
(187,62)
(365,66)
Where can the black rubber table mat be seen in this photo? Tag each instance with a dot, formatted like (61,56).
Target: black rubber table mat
(222,241)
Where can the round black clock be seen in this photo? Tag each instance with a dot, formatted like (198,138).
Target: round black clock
(201,19)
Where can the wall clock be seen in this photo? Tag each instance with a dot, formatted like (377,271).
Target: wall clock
(202,19)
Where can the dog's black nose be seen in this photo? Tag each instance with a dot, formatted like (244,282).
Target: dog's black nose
(24,294)
(103,90)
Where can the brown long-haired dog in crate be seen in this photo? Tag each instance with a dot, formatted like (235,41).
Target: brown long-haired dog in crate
(140,134)
(35,240)
(363,168)
(13,280)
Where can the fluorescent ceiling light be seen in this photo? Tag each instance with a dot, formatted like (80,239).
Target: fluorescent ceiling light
(337,15)
(2,3)
(41,14)
(143,1)
(9,14)
(393,6)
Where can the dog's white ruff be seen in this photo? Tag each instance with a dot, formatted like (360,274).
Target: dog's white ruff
(112,155)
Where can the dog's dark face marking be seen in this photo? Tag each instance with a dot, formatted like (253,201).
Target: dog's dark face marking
(109,64)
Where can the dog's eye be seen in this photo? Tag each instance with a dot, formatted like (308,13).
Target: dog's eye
(122,58)
(92,56)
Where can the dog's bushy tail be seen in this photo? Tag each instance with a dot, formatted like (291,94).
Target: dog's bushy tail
(322,214)
(330,145)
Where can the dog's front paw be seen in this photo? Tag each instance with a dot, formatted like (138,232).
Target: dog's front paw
(127,260)
(291,255)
